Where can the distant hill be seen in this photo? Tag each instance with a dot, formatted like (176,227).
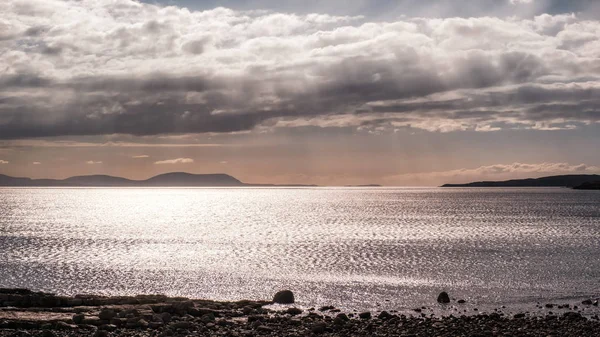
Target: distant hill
(553,181)
(588,186)
(187,179)
(99,180)
(12,181)
(165,180)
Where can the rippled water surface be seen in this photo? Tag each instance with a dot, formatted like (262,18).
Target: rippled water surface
(355,248)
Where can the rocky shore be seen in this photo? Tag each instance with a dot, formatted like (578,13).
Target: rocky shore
(27,313)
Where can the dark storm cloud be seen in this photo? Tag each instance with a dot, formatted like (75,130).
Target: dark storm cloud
(171,71)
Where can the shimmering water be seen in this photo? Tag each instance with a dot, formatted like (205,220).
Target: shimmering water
(356,248)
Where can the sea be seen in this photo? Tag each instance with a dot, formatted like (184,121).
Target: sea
(353,248)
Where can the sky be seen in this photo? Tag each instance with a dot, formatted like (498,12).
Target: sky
(406,92)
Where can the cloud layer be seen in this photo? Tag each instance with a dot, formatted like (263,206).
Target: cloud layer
(95,67)
(175,161)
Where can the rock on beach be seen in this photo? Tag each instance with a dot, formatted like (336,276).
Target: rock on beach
(284,297)
(443,297)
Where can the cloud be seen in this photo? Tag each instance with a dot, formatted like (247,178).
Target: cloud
(83,144)
(175,161)
(90,68)
(91,162)
(491,172)
(37,163)
(518,2)
(141,156)
(3,162)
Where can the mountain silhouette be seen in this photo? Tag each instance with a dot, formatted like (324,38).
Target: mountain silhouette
(552,181)
(188,179)
(595,185)
(169,179)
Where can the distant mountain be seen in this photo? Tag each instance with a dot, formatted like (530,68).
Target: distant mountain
(588,186)
(99,180)
(187,179)
(278,185)
(165,180)
(12,181)
(553,181)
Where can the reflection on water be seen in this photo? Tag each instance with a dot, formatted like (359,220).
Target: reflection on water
(352,247)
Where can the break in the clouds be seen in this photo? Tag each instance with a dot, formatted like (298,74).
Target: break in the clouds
(175,161)
(96,67)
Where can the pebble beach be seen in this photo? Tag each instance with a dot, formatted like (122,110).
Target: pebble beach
(28,313)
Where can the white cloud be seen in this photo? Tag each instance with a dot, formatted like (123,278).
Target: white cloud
(91,65)
(175,161)
(518,2)
(3,162)
(141,156)
(91,162)
(37,163)
(491,172)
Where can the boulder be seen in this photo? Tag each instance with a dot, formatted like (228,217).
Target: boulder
(294,311)
(339,321)
(343,317)
(573,316)
(284,297)
(443,297)
(78,318)
(384,315)
(183,307)
(207,318)
(326,308)
(365,315)
(142,323)
(166,317)
(106,314)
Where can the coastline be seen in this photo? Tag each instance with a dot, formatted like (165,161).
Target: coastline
(24,312)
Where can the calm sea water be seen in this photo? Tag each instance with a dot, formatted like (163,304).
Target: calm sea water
(355,248)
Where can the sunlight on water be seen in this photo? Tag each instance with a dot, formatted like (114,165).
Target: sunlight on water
(345,246)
